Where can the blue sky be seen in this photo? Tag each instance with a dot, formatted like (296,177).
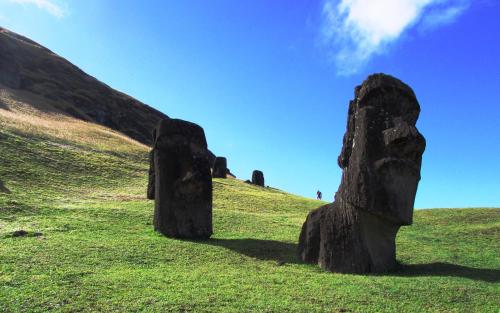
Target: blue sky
(270,81)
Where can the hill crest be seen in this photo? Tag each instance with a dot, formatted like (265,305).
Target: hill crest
(29,69)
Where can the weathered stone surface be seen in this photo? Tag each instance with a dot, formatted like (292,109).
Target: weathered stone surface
(220,168)
(258,178)
(183,183)
(380,160)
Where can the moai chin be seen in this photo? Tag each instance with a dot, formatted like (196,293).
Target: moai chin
(183,182)
(380,160)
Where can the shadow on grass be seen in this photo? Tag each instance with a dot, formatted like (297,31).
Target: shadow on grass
(267,250)
(447,269)
(283,252)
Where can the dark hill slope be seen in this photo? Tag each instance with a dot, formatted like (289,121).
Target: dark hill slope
(28,69)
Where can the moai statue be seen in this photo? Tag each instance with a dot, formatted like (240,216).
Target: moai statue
(183,183)
(380,160)
(219,169)
(258,178)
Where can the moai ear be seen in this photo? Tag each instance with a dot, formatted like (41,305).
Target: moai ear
(347,142)
(154,134)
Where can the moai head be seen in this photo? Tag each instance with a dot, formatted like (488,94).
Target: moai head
(382,150)
(258,178)
(219,168)
(174,132)
(183,184)
(185,147)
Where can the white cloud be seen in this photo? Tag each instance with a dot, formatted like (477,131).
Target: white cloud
(48,5)
(356,30)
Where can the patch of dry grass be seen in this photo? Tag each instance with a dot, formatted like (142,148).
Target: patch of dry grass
(19,116)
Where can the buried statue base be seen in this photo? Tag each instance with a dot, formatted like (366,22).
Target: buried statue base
(380,160)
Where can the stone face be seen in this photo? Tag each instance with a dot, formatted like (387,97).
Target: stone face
(220,168)
(380,160)
(183,183)
(258,178)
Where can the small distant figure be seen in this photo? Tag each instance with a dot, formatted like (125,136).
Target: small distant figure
(319,195)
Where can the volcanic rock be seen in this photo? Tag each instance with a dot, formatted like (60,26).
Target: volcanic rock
(380,160)
(183,183)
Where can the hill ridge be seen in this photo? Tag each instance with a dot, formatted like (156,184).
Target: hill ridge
(26,65)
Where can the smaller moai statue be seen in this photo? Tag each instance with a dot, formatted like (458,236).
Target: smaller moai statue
(258,178)
(183,182)
(219,169)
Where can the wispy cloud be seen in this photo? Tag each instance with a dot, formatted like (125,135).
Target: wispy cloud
(48,5)
(356,30)
(443,16)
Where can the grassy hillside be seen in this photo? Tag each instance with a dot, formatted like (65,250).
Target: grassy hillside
(79,191)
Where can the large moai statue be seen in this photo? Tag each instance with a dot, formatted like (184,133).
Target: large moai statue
(258,178)
(183,183)
(219,169)
(380,160)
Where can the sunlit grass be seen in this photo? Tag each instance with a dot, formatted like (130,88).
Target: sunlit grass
(98,252)
(62,129)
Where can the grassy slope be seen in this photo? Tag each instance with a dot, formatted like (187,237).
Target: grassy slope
(84,191)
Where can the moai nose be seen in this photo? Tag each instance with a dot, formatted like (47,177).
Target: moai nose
(404,140)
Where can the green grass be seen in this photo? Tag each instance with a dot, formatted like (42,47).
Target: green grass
(98,250)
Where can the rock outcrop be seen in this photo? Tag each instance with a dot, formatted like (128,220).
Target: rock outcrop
(183,183)
(380,160)
(258,178)
(220,168)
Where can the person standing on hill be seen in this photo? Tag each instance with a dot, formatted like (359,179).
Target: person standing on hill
(319,195)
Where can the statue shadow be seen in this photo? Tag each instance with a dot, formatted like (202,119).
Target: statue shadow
(447,269)
(266,250)
(283,252)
